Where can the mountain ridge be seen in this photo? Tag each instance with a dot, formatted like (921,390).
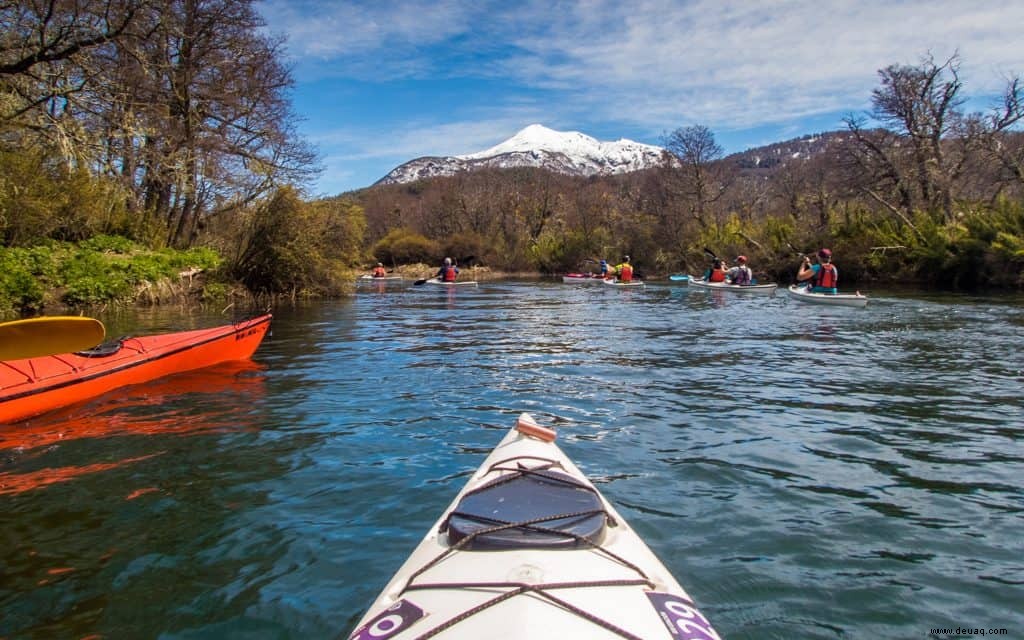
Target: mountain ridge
(567,152)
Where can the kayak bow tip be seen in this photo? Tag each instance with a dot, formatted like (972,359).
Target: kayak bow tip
(527,426)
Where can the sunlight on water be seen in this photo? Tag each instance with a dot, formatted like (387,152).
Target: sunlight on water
(806,472)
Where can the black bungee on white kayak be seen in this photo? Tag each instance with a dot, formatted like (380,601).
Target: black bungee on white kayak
(531,549)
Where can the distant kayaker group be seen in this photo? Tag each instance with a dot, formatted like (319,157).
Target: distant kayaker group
(815,281)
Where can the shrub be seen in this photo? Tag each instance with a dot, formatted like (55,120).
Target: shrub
(404,246)
(290,246)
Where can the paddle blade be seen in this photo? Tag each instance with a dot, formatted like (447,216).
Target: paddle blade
(48,335)
(419,282)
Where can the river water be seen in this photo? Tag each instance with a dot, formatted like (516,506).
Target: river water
(805,472)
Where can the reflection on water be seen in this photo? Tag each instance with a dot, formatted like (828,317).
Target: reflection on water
(192,402)
(804,471)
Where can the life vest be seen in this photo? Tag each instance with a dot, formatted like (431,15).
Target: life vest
(827,276)
(626,273)
(742,276)
(379,272)
(717,275)
(449,274)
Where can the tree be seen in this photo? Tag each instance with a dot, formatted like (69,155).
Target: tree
(692,171)
(920,152)
(184,102)
(1002,143)
(218,101)
(45,47)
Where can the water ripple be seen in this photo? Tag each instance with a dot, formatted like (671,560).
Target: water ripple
(805,472)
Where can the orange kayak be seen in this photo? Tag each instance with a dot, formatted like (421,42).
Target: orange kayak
(35,385)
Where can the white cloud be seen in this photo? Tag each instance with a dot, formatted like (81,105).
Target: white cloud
(650,65)
(760,62)
(707,60)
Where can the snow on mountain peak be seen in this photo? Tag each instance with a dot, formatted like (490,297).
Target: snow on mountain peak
(537,137)
(569,152)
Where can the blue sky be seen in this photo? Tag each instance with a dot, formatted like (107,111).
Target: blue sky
(385,81)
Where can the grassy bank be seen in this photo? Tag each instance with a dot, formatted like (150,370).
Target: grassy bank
(58,277)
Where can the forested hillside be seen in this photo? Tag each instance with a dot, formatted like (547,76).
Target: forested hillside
(168,123)
(927,193)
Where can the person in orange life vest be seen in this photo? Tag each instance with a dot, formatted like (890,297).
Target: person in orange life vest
(448,272)
(823,277)
(378,271)
(625,270)
(717,272)
(741,273)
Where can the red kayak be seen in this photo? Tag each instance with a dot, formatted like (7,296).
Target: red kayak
(35,385)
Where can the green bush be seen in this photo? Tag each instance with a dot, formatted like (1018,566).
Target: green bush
(108,244)
(294,247)
(20,289)
(100,270)
(404,246)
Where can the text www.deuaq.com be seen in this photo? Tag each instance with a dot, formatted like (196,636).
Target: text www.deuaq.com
(967,631)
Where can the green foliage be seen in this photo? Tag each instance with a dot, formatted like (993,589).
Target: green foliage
(404,246)
(101,270)
(20,289)
(291,246)
(42,199)
(548,253)
(215,291)
(108,244)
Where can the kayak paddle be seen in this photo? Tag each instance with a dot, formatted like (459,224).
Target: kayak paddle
(48,335)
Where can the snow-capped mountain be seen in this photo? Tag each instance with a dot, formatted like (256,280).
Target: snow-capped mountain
(568,152)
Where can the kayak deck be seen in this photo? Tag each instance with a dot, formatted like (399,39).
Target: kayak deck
(581,277)
(456,283)
(549,558)
(700,283)
(367,279)
(614,282)
(804,294)
(36,385)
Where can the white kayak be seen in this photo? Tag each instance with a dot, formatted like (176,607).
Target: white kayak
(804,294)
(700,283)
(458,283)
(614,282)
(390,279)
(529,549)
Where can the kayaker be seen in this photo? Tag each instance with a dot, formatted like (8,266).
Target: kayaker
(823,277)
(624,270)
(378,271)
(717,271)
(741,273)
(448,272)
(604,269)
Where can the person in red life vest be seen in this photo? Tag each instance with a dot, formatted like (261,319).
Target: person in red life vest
(717,272)
(823,277)
(741,273)
(378,271)
(624,270)
(448,272)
